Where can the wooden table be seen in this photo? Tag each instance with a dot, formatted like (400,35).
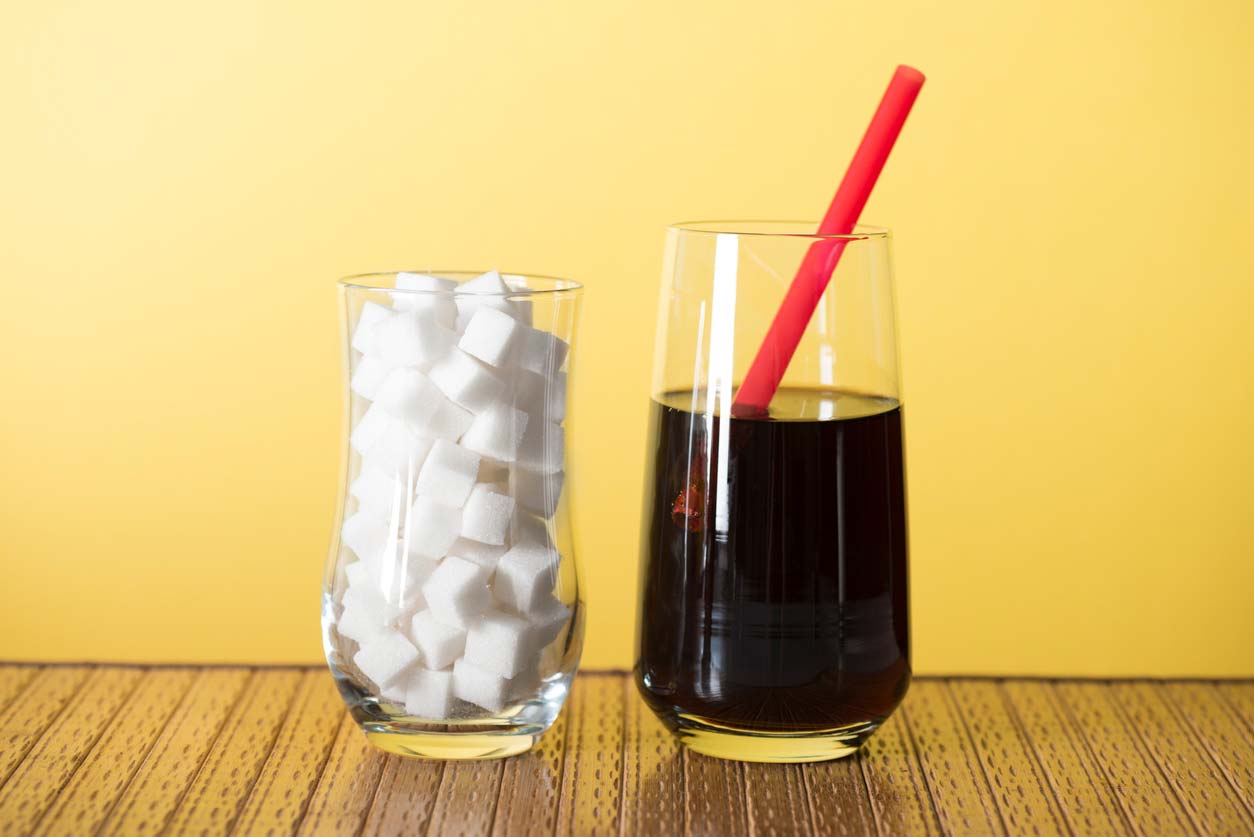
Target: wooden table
(131,750)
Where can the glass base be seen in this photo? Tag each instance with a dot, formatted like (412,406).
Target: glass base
(458,746)
(710,738)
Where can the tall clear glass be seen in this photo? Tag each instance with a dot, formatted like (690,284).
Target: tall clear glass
(774,612)
(452,617)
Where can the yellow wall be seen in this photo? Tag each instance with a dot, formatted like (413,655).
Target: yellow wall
(180,185)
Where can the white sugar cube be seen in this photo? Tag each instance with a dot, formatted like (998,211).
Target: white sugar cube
(358,573)
(384,657)
(466,381)
(449,422)
(529,530)
(414,338)
(409,395)
(484,554)
(543,447)
(524,576)
(536,492)
(520,304)
(429,694)
(490,336)
(367,377)
(482,688)
(448,475)
(487,290)
(376,491)
(358,626)
(373,423)
(540,352)
(439,642)
(431,527)
(435,294)
(497,432)
(398,450)
(500,643)
(487,514)
(542,396)
(401,579)
(366,333)
(370,602)
(457,592)
(547,621)
(365,533)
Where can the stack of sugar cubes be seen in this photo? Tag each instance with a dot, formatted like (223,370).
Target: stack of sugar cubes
(450,593)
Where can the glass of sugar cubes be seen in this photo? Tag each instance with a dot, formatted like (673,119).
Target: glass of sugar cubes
(452,617)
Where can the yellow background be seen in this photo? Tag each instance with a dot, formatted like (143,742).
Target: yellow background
(181,184)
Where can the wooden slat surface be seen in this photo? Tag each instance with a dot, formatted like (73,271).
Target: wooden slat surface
(247,750)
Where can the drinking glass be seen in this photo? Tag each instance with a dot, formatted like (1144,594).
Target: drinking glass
(773,618)
(452,616)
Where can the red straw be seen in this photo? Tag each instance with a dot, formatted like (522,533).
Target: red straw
(807,286)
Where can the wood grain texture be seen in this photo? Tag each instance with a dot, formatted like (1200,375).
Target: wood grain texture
(134,750)
(1083,794)
(162,780)
(1147,800)
(104,775)
(1219,731)
(291,771)
(955,778)
(530,784)
(35,783)
(217,794)
(900,799)
(593,770)
(1023,797)
(346,789)
(653,771)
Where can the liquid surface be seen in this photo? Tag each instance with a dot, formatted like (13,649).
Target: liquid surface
(773,570)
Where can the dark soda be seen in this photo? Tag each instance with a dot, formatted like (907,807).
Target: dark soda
(774,594)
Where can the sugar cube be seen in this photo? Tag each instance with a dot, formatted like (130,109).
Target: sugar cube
(500,643)
(401,578)
(429,694)
(487,514)
(547,620)
(543,447)
(524,575)
(366,333)
(370,602)
(376,491)
(488,290)
(497,432)
(369,428)
(449,421)
(490,336)
(448,475)
(384,657)
(521,305)
(435,295)
(367,377)
(399,450)
(536,492)
(439,642)
(526,529)
(409,395)
(541,352)
(431,527)
(484,554)
(457,592)
(542,396)
(482,688)
(414,338)
(365,533)
(466,381)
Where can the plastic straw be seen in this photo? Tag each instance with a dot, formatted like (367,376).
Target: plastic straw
(807,287)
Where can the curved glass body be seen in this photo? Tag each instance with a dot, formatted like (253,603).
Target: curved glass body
(774,609)
(452,618)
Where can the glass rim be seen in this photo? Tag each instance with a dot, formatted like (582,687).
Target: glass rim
(779,229)
(551,285)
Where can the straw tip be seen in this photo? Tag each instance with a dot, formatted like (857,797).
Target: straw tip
(907,73)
